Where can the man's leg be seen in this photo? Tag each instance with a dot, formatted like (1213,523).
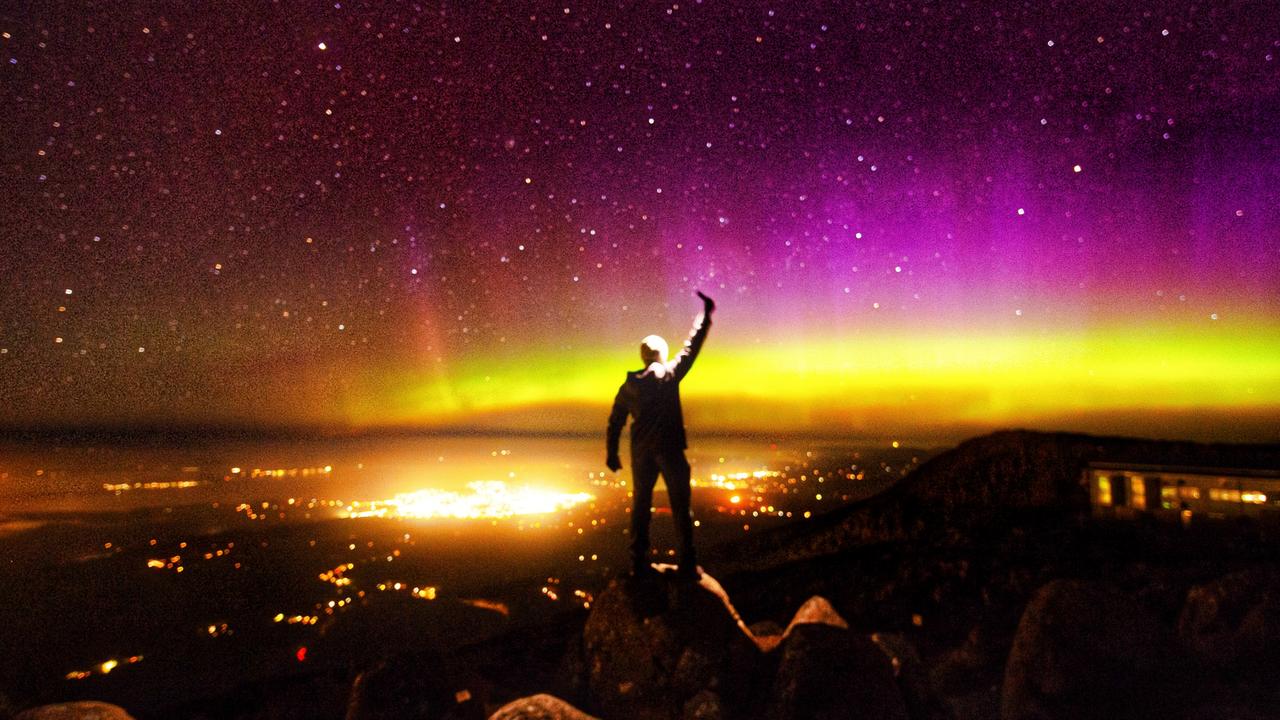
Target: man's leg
(644,475)
(675,472)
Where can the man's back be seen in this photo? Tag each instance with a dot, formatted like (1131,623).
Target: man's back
(651,397)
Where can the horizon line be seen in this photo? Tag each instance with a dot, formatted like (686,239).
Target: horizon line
(189,432)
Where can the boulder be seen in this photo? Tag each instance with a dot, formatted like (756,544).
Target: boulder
(968,677)
(1083,650)
(913,680)
(653,643)
(539,707)
(84,710)
(817,610)
(1234,622)
(825,670)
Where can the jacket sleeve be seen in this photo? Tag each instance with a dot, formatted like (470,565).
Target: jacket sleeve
(617,418)
(684,360)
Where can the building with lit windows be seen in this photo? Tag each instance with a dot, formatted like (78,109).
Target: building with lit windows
(1126,490)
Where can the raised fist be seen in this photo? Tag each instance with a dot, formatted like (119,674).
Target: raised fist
(707,303)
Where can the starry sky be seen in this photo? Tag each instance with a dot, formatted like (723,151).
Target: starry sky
(916,217)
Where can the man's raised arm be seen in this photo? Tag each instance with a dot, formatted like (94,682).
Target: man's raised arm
(684,360)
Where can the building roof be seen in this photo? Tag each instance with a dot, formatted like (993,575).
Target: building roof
(1269,473)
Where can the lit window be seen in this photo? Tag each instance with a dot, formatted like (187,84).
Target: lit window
(1104,490)
(1138,489)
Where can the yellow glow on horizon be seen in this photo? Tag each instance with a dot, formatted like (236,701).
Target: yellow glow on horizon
(991,377)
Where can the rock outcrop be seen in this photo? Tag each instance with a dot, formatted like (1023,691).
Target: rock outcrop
(662,649)
(655,643)
(85,710)
(921,700)
(1083,650)
(1233,623)
(539,707)
(824,670)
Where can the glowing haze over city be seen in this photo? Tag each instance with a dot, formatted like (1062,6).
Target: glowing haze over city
(914,217)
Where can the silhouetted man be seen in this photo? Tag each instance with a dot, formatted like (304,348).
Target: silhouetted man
(652,398)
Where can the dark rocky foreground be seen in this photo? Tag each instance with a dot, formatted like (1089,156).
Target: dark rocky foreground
(978,587)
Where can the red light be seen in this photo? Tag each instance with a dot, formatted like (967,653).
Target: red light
(302,654)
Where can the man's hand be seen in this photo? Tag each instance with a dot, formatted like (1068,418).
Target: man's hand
(707,303)
(613,463)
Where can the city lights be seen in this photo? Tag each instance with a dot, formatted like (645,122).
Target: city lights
(486,499)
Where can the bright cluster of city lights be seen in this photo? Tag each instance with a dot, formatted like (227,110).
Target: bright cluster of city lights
(158,485)
(483,499)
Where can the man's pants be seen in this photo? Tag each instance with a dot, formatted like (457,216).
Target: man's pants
(675,473)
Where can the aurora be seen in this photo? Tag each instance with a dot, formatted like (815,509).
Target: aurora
(913,222)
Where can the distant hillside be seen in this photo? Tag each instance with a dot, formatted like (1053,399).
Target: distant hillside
(992,474)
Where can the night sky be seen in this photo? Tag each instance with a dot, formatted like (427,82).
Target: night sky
(912,215)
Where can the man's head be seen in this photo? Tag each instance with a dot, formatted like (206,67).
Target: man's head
(653,349)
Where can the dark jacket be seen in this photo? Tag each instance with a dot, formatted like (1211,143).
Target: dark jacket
(652,398)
